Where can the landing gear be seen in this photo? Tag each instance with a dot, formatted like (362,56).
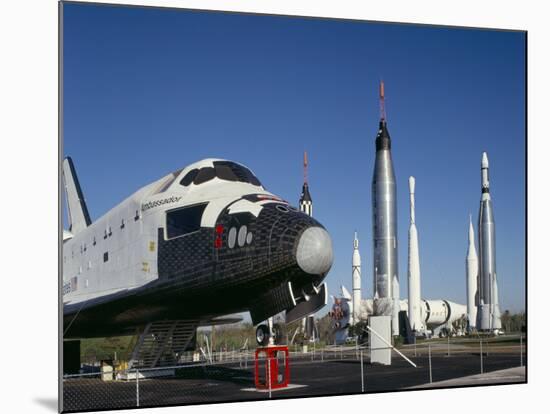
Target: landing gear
(262,335)
(279,334)
(271,333)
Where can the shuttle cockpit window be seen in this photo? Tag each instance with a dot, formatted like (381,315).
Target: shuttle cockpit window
(184,220)
(189,177)
(205,174)
(224,170)
(230,171)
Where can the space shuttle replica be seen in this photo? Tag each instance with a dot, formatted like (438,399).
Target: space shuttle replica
(187,250)
(488,310)
(384,223)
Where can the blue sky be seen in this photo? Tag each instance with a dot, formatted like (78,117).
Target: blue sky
(148,91)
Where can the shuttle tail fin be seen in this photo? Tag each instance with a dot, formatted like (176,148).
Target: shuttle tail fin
(77,211)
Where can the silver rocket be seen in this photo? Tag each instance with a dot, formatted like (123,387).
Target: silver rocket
(488,312)
(356,280)
(306,206)
(472,268)
(384,223)
(415,313)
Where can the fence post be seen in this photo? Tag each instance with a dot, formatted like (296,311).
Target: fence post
(430,360)
(520,350)
(448,345)
(481,353)
(415,346)
(137,387)
(269,373)
(362,375)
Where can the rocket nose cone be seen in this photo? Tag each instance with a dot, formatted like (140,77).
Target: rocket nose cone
(411,184)
(484,160)
(314,252)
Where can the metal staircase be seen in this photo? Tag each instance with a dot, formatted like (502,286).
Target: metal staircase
(161,341)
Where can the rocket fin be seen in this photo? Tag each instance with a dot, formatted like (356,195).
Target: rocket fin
(77,211)
(345,293)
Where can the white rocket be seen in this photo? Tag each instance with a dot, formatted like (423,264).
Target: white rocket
(396,306)
(471,278)
(415,314)
(356,280)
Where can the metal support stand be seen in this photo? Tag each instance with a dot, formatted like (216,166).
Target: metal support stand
(481,354)
(362,375)
(137,388)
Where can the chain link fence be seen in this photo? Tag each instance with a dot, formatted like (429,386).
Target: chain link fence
(229,376)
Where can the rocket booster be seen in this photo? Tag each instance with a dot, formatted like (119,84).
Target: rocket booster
(488,313)
(384,222)
(472,268)
(356,280)
(415,317)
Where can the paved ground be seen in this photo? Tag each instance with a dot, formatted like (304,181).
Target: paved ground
(332,376)
(503,376)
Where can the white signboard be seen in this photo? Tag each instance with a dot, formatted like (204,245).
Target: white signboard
(380,352)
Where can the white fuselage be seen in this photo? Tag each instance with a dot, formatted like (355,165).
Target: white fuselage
(118,251)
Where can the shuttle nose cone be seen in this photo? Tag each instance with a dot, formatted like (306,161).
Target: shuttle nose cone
(314,251)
